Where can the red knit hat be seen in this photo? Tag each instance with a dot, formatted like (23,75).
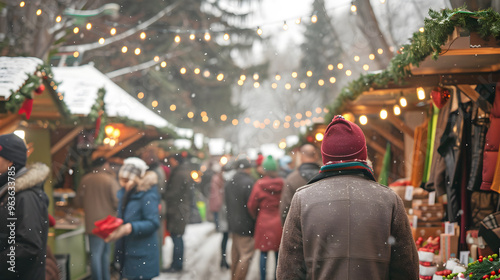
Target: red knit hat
(343,141)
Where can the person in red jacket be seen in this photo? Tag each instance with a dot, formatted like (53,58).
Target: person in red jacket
(263,205)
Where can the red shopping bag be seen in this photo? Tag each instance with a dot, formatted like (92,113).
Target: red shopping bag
(106,226)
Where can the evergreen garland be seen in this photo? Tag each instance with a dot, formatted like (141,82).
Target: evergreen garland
(437,28)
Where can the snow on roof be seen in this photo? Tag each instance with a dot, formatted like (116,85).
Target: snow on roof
(80,84)
(14,73)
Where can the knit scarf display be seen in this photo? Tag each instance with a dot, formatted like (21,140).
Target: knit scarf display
(344,168)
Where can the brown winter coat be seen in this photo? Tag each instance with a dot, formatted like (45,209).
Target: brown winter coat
(178,196)
(96,194)
(347,227)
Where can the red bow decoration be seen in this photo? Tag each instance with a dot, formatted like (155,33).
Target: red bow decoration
(106,226)
(440,96)
(27,107)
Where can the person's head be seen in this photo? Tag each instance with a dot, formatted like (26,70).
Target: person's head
(308,153)
(100,162)
(13,151)
(132,170)
(243,165)
(270,166)
(286,162)
(343,141)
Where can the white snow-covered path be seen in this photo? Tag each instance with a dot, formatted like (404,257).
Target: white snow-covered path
(202,256)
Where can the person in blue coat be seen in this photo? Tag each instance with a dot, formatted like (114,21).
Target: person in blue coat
(136,248)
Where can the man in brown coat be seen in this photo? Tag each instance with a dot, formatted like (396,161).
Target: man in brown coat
(299,177)
(344,225)
(96,194)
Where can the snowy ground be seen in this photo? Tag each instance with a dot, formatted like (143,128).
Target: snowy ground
(202,256)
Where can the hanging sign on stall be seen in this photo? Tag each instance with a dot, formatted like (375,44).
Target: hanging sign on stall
(409,193)
(432,198)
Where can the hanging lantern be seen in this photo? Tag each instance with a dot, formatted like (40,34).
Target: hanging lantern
(440,96)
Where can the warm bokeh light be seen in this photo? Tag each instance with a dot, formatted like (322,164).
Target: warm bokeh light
(340,66)
(205,119)
(183,70)
(397,110)
(240,82)
(112,31)
(274,85)
(124,49)
(38,12)
(76,30)
(354,8)
(76,54)
(371,56)
(137,51)
(276,124)
(356,58)
(298,116)
(383,114)
(403,102)
(288,86)
(294,74)
(282,144)
(163,64)
(421,29)
(207,36)
(190,115)
(247,120)
(363,120)
(235,122)
(366,67)
(142,35)
(197,71)
(277,77)
(330,67)
(206,73)
(256,85)
(297,21)
(288,118)
(286,125)
(88,26)
(177,39)
(203,113)
(243,77)
(140,95)
(321,82)
(420,93)
(302,85)
(192,37)
(285,26)
(154,104)
(58,19)
(309,73)
(319,136)
(332,80)
(157,58)
(22,4)
(101,41)
(223,118)
(259,31)
(256,76)
(226,37)
(314,19)
(380,51)
(173,107)
(220,77)
(308,114)
(223,160)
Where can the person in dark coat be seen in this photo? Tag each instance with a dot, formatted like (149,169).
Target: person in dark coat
(136,248)
(299,177)
(178,198)
(23,212)
(263,205)
(343,224)
(241,224)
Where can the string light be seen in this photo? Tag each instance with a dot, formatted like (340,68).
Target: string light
(140,95)
(247,120)
(277,77)
(353,8)
(38,12)
(397,110)
(318,110)
(124,49)
(58,19)
(220,77)
(267,121)
(421,29)
(380,51)
(142,35)
(101,41)
(183,70)
(308,114)
(403,102)
(154,104)
(88,26)
(297,21)
(383,114)
(274,85)
(340,66)
(321,82)
(302,85)
(314,19)
(298,116)
(382,1)
(223,117)
(206,73)
(256,76)
(76,54)
(137,51)
(286,125)
(204,119)
(177,39)
(256,85)
(363,119)
(112,31)
(226,36)
(288,86)
(76,30)
(259,31)
(192,37)
(190,115)
(240,82)
(348,73)
(197,71)
(235,122)
(332,80)
(173,107)
(366,67)
(371,56)
(294,74)
(330,67)
(356,58)
(309,73)
(420,93)
(22,4)
(207,36)
(285,26)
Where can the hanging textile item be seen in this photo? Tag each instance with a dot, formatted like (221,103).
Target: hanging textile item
(495,185)
(419,149)
(431,137)
(383,177)
(492,142)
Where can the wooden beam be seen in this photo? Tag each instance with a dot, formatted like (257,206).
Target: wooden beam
(391,138)
(399,124)
(374,145)
(66,139)
(471,93)
(9,123)
(118,147)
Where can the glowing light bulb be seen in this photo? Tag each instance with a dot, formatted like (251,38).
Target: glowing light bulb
(380,51)
(192,37)
(340,66)
(243,77)
(363,120)
(76,30)
(366,67)
(294,74)
(259,31)
(256,76)
(383,114)
(330,67)
(309,73)
(226,37)
(332,80)
(277,77)
(314,19)
(137,51)
(371,56)
(220,77)
(321,82)
(420,93)
(101,41)
(124,49)
(285,26)
(207,36)
(256,85)
(183,70)
(197,71)
(88,26)
(163,64)
(353,8)
(223,118)
(142,35)
(403,102)
(140,95)
(356,58)
(58,19)
(112,31)
(154,103)
(397,110)
(38,12)
(177,38)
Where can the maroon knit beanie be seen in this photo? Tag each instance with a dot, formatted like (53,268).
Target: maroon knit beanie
(343,141)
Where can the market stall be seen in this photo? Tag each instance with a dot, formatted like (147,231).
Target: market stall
(431,112)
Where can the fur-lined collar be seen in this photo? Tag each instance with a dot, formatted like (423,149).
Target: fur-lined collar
(36,174)
(147,182)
